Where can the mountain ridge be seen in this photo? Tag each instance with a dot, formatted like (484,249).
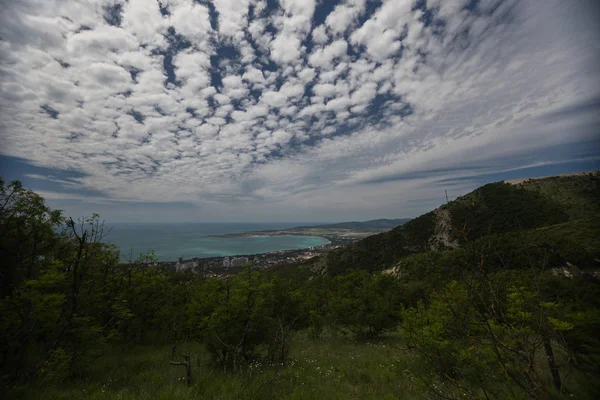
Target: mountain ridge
(494,208)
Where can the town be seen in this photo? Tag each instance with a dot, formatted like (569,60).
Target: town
(214,267)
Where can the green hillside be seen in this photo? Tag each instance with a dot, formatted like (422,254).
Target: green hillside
(494,208)
(495,295)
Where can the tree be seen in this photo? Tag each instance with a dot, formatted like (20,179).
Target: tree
(233,316)
(54,274)
(29,230)
(367,304)
(484,334)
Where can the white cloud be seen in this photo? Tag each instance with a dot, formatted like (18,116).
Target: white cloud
(344,16)
(285,48)
(319,35)
(324,90)
(381,32)
(232,16)
(193,68)
(307,75)
(234,87)
(274,99)
(192,21)
(324,57)
(254,76)
(98,42)
(299,14)
(365,93)
(142,19)
(109,75)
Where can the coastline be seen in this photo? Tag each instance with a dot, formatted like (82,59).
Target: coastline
(215,247)
(334,236)
(224,265)
(199,243)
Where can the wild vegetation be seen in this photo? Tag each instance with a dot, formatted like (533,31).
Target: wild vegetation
(494,295)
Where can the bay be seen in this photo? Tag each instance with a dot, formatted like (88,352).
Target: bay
(173,240)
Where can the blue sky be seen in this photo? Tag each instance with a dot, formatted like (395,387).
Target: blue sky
(247,110)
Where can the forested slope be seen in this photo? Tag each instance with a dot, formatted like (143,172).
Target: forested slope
(494,208)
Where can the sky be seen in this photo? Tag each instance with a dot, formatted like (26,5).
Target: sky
(292,110)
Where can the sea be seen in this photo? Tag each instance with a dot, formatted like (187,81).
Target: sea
(188,240)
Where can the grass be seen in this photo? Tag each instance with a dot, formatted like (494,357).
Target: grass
(328,368)
(333,367)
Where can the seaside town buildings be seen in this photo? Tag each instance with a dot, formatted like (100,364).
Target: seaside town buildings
(234,262)
(219,267)
(183,265)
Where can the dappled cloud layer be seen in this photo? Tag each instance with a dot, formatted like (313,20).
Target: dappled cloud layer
(292,103)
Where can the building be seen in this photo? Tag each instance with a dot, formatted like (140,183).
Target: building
(183,265)
(238,262)
(226,262)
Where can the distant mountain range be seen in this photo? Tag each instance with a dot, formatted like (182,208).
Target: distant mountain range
(340,233)
(362,226)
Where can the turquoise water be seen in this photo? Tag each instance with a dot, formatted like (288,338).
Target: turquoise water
(171,241)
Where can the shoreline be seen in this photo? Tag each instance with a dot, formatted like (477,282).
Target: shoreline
(219,265)
(340,237)
(200,247)
(319,247)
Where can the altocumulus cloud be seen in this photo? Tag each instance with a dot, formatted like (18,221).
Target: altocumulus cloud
(293,109)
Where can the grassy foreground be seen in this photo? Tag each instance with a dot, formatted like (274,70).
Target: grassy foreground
(327,368)
(332,367)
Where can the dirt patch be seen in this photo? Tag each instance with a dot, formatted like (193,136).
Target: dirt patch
(442,237)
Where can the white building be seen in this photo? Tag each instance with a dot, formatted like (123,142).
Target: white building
(226,262)
(238,262)
(183,265)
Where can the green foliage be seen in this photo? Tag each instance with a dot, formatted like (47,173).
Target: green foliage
(505,333)
(64,295)
(376,252)
(236,316)
(501,207)
(366,304)
(56,367)
(497,208)
(316,324)
(27,235)
(578,196)
(507,307)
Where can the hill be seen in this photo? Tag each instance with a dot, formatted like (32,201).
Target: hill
(495,208)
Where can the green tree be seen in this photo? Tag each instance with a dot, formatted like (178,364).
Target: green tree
(366,304)
(233,317)
(486,334)
(29,232)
